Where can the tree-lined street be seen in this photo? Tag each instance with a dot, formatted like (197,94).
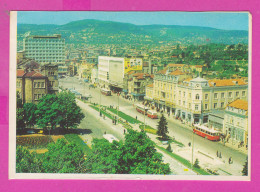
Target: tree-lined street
(180,131)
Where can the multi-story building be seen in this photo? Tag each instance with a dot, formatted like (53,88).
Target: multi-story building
(51,72)
(44,49)
(62,70)
(31,85)
(193,99)
(112,70)
(236,121)
(137,84)
(84,70)
(165,89)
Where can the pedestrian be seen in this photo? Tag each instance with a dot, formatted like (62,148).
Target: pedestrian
(105,133)
(220,156)
(217,153)
(136,117)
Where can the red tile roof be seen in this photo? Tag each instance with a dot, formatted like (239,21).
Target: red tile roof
(226,82)
(188,80)
(19,72)
(239,104)
(163,71)
(34,74)
(151,85)
(177,72)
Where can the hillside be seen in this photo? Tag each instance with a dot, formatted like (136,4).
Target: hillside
(107,32)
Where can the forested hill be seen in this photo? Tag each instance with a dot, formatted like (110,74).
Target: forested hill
(103,32)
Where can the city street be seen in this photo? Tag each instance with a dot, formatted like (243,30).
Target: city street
(181,132)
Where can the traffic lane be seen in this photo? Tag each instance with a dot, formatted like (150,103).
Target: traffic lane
(97,127)
(180,132)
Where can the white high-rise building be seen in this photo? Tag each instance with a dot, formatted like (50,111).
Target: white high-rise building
(45,49)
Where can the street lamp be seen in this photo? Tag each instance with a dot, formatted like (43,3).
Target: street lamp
(99,103)
(192,149)
(117,107)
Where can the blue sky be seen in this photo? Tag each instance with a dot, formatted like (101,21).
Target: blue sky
(219,20)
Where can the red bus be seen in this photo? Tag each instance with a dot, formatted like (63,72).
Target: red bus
(106,92)
(152,114)
(203,131)
(141,109)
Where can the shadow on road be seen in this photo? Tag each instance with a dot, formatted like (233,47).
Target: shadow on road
(57,131)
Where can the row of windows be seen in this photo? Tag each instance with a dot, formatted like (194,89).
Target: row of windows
(44,51)
(45,55)
(50,73)
(47,58)
(38,96)
(44,48)
(39,85)
(230,94)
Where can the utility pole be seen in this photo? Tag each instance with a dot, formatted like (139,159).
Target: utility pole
(192,149)
(117,107)
(100,103)
(144,116)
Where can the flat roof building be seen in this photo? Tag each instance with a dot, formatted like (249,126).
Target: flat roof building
(44,49)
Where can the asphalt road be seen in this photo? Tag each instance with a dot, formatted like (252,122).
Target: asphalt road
(181,132)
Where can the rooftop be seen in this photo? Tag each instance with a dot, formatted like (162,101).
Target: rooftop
(226,82)
(176,72)
(239,104)
(175,65)
(19,72)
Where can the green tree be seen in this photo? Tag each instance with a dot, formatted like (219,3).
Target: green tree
(104,157)
(27,162)
(29,113)
(20,124)
(169,148)
(48,112)
(19,102)
(162,128)
(139,156)
(69,110)
(245,168)
(196,164)
(62,157)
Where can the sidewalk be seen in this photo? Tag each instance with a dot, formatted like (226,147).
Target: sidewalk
(176,167)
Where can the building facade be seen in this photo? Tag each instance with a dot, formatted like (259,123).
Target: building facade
(192,99)
(44,49)
(51,72)
(236,121)
(137,85)
(31,86)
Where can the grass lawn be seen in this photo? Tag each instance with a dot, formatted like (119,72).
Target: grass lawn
(184,161)
(102,112)
(74,138)
(124,116)
(148,129)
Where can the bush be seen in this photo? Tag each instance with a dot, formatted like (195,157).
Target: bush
(196,164)
(169,148)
